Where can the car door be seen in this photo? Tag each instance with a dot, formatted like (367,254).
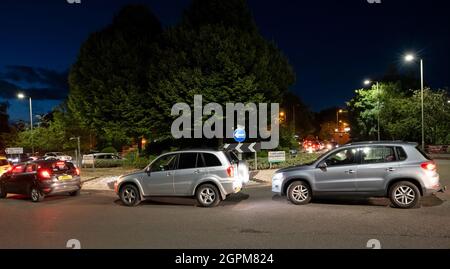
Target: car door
(12,180)
(26,178)
(158,181)
(339,175)
(377,163)
(191,169)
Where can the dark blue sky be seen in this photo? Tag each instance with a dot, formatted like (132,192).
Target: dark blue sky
(332,44)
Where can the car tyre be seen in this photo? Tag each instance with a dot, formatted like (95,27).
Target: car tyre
(129,195)
(36,195)
(3,192)
(404,195)
(75,193)
(208,195)
(299,193)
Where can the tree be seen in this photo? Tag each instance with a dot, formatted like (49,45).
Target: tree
(112,83)
(4,125)
(400,114)
(294,106)
(216,51)
(327,130)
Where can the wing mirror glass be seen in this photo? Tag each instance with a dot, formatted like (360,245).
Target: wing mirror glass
(322,165)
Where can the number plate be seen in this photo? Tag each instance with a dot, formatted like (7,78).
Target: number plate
(64,178)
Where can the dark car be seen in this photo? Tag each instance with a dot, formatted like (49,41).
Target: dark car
(40,178)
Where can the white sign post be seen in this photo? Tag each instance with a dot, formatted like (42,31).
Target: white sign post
(276,157)
(14,151)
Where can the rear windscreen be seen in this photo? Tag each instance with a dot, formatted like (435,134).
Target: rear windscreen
(58,166)
(232,157)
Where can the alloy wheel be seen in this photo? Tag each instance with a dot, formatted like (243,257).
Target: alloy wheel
(404,195)
(208,196)
(300,193)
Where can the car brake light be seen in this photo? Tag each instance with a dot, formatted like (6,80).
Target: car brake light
(429,166)
(77,171)
(44,174)
(230,171)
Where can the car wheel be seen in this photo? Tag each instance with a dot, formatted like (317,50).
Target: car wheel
(299,193)
(208,195)
(404,195)
(3,193)
(129,195)
(36,195)
(75,193)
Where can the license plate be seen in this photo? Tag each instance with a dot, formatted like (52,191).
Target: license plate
(63,178)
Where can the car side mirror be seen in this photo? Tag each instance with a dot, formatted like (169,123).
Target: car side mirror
(148,170)
(323,166)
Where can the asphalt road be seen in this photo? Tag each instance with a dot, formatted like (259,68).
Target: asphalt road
(251,219)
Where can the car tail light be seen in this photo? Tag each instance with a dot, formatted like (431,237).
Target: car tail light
(45,174)
(230,171)
(77,171)
(429,166)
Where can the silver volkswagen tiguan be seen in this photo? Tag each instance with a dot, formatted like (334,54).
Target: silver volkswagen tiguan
(398,170)
(209,175)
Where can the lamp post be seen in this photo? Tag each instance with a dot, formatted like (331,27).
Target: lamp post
(412,58)
(78,151)
(377,85)
(22,96)
(339,111)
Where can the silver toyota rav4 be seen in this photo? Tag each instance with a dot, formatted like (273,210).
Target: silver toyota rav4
(398,170)
(209,175)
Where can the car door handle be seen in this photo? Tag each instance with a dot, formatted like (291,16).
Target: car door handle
(350,172)
(197,172)
(169,174)
(390,169)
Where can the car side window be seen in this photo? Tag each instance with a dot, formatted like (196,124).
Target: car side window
(187,161)
(343,157)
(401,154)
(211,160)
(165,163)
(377,155)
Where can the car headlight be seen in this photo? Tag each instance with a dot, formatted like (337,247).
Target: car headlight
(277,176)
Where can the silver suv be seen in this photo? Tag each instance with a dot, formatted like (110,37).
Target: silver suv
(398,170)
(209,175)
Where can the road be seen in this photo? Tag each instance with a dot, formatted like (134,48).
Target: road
(251,219)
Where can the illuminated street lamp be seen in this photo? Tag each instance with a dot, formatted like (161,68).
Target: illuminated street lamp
(368,82)
(340,111)
(411,58)
(282,116)
(22,96)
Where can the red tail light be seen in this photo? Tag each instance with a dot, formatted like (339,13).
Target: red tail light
(230,171)
(429,166)
(44,174)
(77,171)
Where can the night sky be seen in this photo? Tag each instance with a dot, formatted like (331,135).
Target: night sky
(332,44)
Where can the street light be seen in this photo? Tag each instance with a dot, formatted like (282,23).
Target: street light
(340,111)
(79,149)
(367,82)
(411,58)
(22,96)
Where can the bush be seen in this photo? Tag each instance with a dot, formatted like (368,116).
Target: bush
(133,160)
(302,158)
(106,163)
(109,150)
